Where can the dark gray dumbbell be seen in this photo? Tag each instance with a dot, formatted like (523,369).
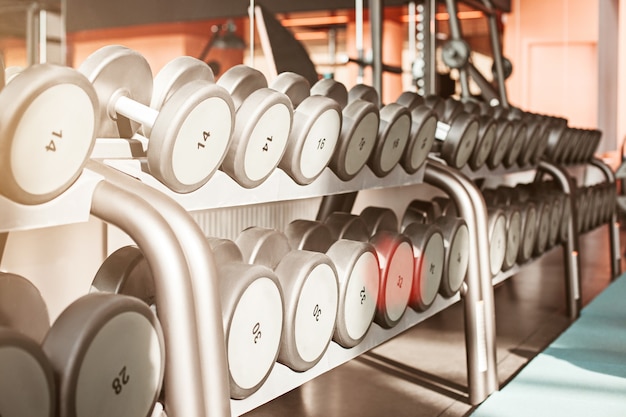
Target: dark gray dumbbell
(496,227)
(513,216)
(347,226)
(310,290)
(503,133)
(180,134)
(393,130)
(359,129)
(423,128)
(518,134)
(457,137)
(27,374)
(315,132)
(47,132)
(357,271)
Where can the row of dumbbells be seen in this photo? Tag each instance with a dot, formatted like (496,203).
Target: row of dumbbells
(596,205)
(186,126)
(286,295)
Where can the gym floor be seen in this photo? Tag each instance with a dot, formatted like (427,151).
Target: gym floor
(422,373)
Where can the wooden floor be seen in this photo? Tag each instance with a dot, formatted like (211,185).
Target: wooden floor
(423,371)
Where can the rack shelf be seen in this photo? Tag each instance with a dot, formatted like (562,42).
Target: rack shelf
(282,379)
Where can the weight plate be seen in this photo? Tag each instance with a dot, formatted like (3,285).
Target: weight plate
(22,307)
(517,143)
(191,136)
(116,71)
(461,140)
(47,132)
(127,272)
(358,137)
(252,312)
(293,85)
(529,232)
(410,100)
(347,226)
(542,141)
(11,72)
(225,250)
(309,235)
(395,255)
(393,134)
(497,240)
(379,218)
(543,226)
(513,236)
(311,291)
(332,89)
(103,346)
(484,143)
(27,380)
(359,280)
(456,242)
(555,219)
(262,127)
(313,139)
(241,81)
(455,53)
(364,92)
(175,74)
(429,252)
(421,138)
(504,137)
(263,246)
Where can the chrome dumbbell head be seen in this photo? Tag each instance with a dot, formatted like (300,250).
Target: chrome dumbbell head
(177,133)
(315,133)
(47,131)
(309,235)
(252,312)
(27,379)
(358,131)
(262,126)
(347,226)
(378,219)
(422,136)
(529,217)
(393,131)
(513,235)
(497,239)
(456,240)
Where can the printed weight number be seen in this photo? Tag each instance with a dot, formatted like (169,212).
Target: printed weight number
(317,312)
(363,298)
(400,281)
(320,146)
(52,147)
(266,147)
(121,380)
(205,136)
(361,144)
(256,331)
(431,270)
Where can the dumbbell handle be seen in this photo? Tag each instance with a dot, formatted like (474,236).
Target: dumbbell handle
(136,111)
(441,133)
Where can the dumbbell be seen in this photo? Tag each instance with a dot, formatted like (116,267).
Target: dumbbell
(559,142)
(310,290)
(518,132)
(455,238)
(186,138)
(504,132)
(106,352)
(496,227)
(262,126)
(252,311)
(47,132)
(357,271)
(456,137)
(423,128)
(512,214)
(251,300)
(531,140)
(544,212)
(27,383)
(393,130)
(358,131)
(315,131)
(11,72)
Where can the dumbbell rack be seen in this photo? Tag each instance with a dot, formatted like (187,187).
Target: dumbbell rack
(223,192)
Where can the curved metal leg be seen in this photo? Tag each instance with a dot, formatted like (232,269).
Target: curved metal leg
(205,296)
(132,214)
(572,260)
(479,300)
(616,265)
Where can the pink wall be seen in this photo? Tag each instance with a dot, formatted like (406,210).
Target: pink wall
(553,47)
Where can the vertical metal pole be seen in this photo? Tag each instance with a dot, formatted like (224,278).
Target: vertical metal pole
(358,41)
(430,47)
(570,247)
(376,27)
(412,30)
(496,46)
(478,297)
(455,32)
(32,34)
(616,265)
(251,29)
(332,48)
